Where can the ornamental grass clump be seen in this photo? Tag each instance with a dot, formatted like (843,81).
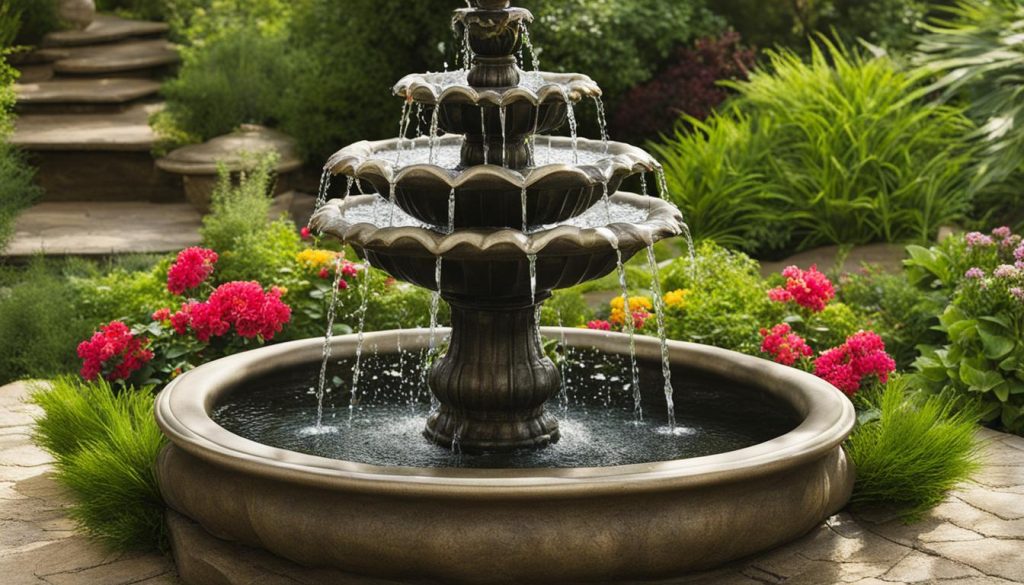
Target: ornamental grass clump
(105,444)
(830,151)
(913,450)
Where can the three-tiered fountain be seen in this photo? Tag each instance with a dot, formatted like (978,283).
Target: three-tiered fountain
(492,213)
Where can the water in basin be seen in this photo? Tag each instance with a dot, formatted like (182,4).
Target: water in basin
(596,416)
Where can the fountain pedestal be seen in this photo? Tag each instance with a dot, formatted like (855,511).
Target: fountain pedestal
(494,380)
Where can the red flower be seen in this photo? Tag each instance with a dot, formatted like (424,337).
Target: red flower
(242,305)
(162,315)
(305,233)
(783,345)
(599,325)
(809,289)
(847,366)
(113,352)
(342,285)
(324,273)
(348,269)
(192,267)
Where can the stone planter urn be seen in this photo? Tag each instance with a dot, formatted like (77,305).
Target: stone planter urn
(199,164)
(78,14)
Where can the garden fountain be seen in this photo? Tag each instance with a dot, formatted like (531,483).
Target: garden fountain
(492,214)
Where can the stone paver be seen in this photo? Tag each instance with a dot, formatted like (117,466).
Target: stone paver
(96,228)
(117,58)
(974,538)
(122,131)
(106,28)
(117,90)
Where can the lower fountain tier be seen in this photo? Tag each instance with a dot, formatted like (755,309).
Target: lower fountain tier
(494,265)
(334,521)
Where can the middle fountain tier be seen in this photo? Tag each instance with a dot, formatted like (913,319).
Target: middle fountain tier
(494,215)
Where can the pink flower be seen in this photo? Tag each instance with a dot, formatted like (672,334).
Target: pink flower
(349,270)
(1005,271)
(306,233)
(810,289)
(862,356)
(1017,293)
(599,325)
(192,267)
(241,305)
(162,315)
(978,239)
(974,273)
(783,345)
(1002,232)
(1018,254)
(113,352)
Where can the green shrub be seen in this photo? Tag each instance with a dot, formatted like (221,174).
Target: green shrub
(37,18)
(915,451)
(123,294)
(17,190)
(250,244)
(105,444)
(975,51)
(851,159)
(40,324)
(727,301)
(566,308)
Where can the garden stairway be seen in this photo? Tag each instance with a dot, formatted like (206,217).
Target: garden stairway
(84,103)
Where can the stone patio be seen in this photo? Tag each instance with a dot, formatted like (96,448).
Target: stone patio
(976,537)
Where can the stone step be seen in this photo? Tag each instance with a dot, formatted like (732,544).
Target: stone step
(104,228)
(101,157)
(63,95)
(123,131)
(106,28)
(122,59)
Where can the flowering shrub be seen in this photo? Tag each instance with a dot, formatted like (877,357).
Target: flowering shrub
(810,289)
(639,309)
(191,269)
(982,276)
(784,346)
(849,366)
(113,352)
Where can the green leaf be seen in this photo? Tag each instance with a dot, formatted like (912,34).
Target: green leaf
(996,346)
(1002,391)
(961,331)
(979,380)
(176,351)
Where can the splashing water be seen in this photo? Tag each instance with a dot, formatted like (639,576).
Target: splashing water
(528,43)
(643,184)
(602,121)
(563,370)
(631,330)
(432,157)
(532,141)
(451,216)
(571,110)
(361,337)
(532,258)
(321,387)
(659,311)
(483,132)
(435,305)
(403,127)
(504,145)
(321,193)
(522,199)
(664,194)
(419,120)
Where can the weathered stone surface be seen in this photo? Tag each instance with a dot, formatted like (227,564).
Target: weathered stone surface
(115,58)
(918,567)
(1005,505)
(124,131)
(104,228)
(85,91)
(106,28)
(1000,558)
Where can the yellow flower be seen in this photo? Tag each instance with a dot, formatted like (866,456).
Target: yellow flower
(676,299)
(637,305)
(314,259)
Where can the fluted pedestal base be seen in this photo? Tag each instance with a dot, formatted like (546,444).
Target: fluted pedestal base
(494,382)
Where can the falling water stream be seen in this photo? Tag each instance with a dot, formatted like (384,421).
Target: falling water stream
(361,334)
(321,388)
(659,312)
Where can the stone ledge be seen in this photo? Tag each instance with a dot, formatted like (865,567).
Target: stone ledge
(105,28)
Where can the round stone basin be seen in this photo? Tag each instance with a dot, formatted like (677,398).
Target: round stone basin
(599,510)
